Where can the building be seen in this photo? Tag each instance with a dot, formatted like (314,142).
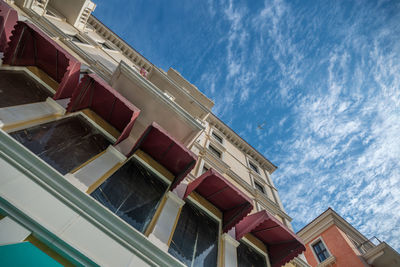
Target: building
(331,241)
(108,160)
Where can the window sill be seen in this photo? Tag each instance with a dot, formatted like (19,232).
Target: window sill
(328,262)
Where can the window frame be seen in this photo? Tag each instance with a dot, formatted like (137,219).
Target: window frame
(256,248)
(214,151)
(216,136)
(258,185)
(213,216)
(254,167)
(316,241)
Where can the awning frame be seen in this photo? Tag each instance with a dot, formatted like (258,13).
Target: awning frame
(251,222)
(178,176)
(236,213)
(84,95)
(49,56)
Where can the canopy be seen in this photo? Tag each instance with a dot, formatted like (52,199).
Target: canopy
(29,46)
(8,18)
(92,92)
(221,193)
(167,151)
(283,245)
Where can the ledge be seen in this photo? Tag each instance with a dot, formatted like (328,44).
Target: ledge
(53,182)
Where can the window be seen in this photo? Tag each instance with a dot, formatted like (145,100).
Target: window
(64,144)
(77,39)
(106,46)
(195,240)
(133,193)
(253,167)
(205,169)
(217,137)
(248,256)
(215,151)
(320,251)
(19,88)
(259,187)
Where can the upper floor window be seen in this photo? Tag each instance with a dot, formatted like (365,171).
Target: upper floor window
(217,137)
(215,151)
(320,251)
(205,169)
(259,187)
(253,167)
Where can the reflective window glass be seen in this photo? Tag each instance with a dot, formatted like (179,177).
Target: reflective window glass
(249,257)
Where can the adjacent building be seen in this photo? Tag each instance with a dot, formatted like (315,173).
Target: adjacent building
(331,241)
(108,160)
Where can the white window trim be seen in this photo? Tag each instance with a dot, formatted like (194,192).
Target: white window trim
(217,133)
(315,241)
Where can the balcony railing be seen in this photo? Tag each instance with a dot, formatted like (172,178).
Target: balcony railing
(368,245)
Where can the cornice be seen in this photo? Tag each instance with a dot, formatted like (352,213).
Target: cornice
(241,143)
(324,221)
(125,48)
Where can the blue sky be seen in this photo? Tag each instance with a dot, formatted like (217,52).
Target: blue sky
(324,77)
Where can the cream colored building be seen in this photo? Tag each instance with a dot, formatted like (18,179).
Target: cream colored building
(140,115)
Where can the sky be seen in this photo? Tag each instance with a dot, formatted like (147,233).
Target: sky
(322,77)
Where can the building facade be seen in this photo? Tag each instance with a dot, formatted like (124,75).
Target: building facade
(108,160)
(332,241)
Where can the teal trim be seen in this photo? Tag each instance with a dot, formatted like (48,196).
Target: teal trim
(25,254)
(52,181)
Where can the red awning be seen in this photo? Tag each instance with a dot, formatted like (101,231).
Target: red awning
(221,193)
(282,244)
(8,19)
(92,92)
(29,46)
(164,149)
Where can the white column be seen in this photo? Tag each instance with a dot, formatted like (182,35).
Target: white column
(230,253)
(168,218)
(12,232)
(16,115)
(95,170)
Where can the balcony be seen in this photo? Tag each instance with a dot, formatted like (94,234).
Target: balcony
(378,253)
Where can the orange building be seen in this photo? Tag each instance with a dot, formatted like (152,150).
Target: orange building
(331,241)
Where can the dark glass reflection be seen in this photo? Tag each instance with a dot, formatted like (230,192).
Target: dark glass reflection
(195,240)
(64,144)
(133,193)
(18,88)
(249,257)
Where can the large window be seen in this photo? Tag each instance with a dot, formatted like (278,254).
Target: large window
(249,257)
(259,187)
(254,167)
(215,151)
(133,193)
(320,251)
(195,240)
(217,137)
(64,144)
(18,88)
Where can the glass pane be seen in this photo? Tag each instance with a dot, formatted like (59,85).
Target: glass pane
(18,88)
(317,247)
(195,240)
(64,144)
(249,257)
(133,193)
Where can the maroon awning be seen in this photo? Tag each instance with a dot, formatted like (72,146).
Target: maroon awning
(8,19)
(29,46)
(282,244)
(167,151)
(94,93)
(225,196)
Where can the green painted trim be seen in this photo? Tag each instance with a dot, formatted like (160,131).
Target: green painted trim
(53,182)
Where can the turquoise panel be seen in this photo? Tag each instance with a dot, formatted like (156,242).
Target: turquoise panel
(24,254)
